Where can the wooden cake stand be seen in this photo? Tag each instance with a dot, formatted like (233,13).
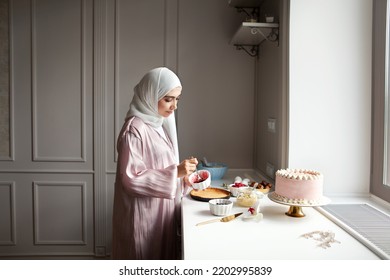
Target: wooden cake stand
(295,209)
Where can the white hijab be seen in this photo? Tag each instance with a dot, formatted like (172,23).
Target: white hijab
(152,88)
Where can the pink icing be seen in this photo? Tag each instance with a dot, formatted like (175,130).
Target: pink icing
(299,188)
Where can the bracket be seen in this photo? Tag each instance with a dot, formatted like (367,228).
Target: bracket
(252,50)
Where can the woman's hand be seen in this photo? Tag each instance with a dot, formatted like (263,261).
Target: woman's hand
(186,167)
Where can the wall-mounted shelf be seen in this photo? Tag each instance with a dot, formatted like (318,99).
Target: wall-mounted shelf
(250,7)
(252,34)
(245,3)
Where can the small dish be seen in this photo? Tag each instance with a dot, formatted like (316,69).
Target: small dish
(236,190)
(220,207)
(264,191)
(248,197)
(203,183)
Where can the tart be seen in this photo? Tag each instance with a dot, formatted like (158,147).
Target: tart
(209,193)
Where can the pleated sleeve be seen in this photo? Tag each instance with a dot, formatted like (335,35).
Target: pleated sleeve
(143,171)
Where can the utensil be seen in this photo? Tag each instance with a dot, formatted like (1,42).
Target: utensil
(198,176)
(196,171)
(224,219)
(205,162)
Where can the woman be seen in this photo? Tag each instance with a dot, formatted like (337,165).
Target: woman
(149,179)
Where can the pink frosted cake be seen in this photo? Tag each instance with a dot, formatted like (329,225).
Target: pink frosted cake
(299,186)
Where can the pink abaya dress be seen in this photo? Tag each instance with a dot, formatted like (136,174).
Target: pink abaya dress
(144,223)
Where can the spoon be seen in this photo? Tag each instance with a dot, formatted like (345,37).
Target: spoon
(199,178)
(197,175)
(205,162)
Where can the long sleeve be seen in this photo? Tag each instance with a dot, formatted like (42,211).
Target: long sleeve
(143,171)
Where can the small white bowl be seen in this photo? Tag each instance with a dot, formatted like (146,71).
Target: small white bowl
(220,207)
(249,197)
(204,175)
(236,190)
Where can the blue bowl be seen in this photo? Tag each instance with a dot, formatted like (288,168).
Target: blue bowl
(216,169)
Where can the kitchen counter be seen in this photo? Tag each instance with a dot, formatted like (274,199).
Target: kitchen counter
(275,237)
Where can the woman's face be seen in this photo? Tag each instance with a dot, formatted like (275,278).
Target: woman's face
(168,104)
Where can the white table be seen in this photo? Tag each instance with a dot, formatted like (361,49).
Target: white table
(275,237)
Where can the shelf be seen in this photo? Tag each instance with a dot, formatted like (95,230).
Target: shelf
(244,3)
(254,33)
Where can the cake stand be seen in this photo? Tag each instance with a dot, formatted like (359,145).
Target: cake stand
(295,209)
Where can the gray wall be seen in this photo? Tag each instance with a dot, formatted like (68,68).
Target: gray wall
(216,114)
(73,66)
(47,181)
(271,96)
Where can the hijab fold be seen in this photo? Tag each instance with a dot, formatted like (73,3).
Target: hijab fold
(153,87)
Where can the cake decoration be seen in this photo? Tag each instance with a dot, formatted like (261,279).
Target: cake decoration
(299,186)
(325,238)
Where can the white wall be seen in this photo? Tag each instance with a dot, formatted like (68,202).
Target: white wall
(330,91)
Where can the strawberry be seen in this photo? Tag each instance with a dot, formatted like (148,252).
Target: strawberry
(237,185)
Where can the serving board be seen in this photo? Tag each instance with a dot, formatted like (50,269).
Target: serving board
(209,193)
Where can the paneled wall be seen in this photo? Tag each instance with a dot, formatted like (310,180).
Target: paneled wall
(73,65)
(47,181)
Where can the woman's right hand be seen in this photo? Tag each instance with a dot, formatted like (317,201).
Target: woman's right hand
(186,167)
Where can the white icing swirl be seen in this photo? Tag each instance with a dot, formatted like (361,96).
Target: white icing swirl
(299,174)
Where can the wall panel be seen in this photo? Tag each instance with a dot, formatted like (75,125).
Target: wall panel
(58,56)
(6,126)
(53,214)
(59,212)
(7,213)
